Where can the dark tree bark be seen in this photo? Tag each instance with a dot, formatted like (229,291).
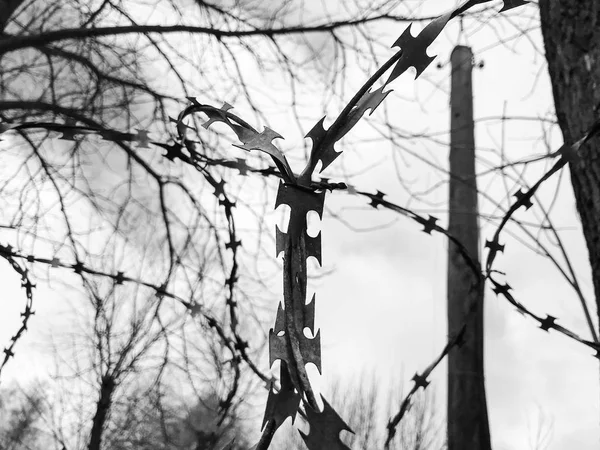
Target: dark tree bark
(468,427)
(107,388)
(571,31)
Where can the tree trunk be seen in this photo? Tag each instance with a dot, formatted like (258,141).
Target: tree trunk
(571,31)
(468,427)
(107,387)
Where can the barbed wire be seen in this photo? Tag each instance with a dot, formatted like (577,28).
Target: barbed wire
(27,285)
(236,345)
(567,153)
(375,200)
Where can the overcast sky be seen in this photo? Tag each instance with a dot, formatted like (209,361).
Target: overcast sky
(384,305)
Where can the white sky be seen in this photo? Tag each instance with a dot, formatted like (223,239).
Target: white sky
(384,305)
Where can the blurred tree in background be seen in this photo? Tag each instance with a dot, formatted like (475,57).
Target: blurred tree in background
(20,417)
(139,422)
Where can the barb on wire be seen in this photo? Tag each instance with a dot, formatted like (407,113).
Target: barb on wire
(325,429)
(420,381)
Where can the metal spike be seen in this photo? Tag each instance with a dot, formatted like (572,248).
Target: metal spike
(216,115)
(510,4)
(262,142)
(310,349)
(282,404)
(414,49)
(325,429)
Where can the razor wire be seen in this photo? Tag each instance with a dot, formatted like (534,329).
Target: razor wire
(287,341)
